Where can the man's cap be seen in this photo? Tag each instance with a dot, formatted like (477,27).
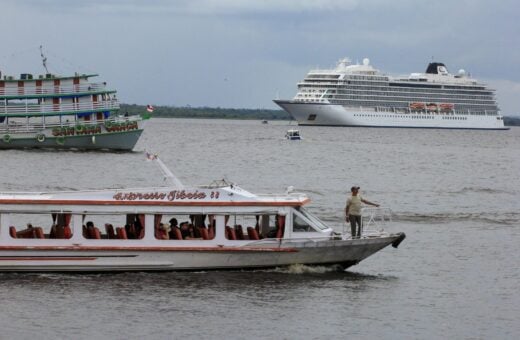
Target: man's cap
(354,188)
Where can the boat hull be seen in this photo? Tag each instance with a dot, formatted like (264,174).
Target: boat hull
(98,138)
(174,258)
(114,141)
(324,114)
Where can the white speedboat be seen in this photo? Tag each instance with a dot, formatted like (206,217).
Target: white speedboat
(293,134)
(220,226)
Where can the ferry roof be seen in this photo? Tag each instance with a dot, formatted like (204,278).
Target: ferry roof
(228,196)
(49,76)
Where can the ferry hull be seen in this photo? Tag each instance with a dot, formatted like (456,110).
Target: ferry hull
(324,114)
(113,141)
(102,137)
(170,258)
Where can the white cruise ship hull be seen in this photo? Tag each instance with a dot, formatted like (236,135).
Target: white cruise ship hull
(324,114)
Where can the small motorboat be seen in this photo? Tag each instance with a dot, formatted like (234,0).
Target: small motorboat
(293,135)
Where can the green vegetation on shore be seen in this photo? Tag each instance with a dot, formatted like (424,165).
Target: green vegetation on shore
(223,113)
(207,112)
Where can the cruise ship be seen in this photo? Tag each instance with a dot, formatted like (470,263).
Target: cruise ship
(361,95)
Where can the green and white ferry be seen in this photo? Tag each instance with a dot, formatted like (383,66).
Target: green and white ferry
(64,112)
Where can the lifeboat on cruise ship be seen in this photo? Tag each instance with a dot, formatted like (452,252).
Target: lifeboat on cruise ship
(431,107)
(416,106)
(446,106)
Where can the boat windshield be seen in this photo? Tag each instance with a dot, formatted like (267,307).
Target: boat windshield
(315,221)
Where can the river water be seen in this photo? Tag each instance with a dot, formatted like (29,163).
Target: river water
(456,195)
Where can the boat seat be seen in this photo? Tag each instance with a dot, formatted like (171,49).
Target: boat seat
(230,233)
(26,233)
(252,233)
(96,234)
(239,232)
(12,232)
(204,233)
(121,233)
(67,232)
(279,232)
(211,233)
(38,232)
(59,232)
(109,229)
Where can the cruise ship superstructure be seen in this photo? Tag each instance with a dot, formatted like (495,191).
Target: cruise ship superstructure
(361,95)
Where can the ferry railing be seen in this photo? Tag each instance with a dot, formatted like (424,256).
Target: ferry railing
(51,89)
(49,109)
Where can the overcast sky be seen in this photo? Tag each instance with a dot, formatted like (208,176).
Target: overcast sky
(243,54)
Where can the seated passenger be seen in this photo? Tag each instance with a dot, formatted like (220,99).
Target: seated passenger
(185,230)
(163,232)
(173,225)
(90,229)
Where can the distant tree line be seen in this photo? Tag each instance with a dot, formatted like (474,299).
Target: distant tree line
(206,112)
(512,121)
(218,112)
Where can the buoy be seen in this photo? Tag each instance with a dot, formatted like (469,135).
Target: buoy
(40,138)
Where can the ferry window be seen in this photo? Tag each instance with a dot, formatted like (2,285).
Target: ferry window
(313,219)
(312,117)
(40,226)
(254,227)
(184,227)
(300,225)
(102,227)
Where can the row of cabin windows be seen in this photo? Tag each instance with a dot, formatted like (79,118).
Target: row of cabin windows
(166,227)
(386,89)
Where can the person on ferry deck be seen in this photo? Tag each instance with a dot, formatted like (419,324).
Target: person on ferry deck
(185,230)
(353,211)
(89,229)
(163,232)
(173,224)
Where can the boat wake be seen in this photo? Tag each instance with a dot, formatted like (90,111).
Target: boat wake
(508,218)
(305,269)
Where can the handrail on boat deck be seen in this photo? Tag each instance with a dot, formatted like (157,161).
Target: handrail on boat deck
(375,219)
(50,109)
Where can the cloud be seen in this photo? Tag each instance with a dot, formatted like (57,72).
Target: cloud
(196,6)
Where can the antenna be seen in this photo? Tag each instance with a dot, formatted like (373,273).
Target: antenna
(168,175)
(44,59)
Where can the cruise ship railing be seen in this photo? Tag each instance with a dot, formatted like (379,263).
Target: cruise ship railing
(51,89)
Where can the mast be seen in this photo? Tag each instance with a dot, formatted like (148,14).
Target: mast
(44,59)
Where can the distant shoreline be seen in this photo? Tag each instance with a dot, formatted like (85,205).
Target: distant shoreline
(227,113)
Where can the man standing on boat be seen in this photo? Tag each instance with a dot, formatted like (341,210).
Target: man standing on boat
(353,211)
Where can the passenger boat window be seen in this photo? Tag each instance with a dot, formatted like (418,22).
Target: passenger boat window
(300,225)
(40,226)
(185,227)
(311,218)
(254,226)
(244,227)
